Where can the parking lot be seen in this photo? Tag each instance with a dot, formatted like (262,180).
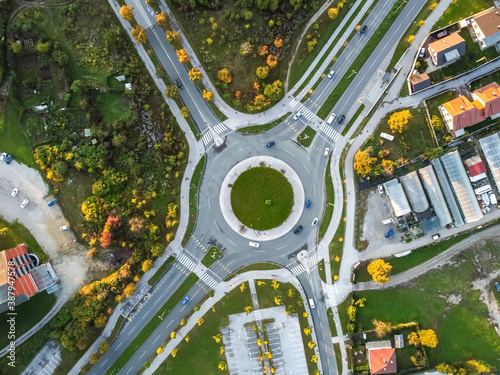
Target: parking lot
(379,209)
(68,259)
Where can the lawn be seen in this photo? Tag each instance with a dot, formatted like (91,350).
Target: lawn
(462,327)
(289,297)
(153,323)
(412,142)
(201,355)
(330,201)
(28,313)
(473,58)
(461,9)
(361,59)
(353,119)
(336,246)
(263,128)
(262,198)
(254,267)
(322,30)
(114,106)
(211,257)
(193,199)
(18,234)
(306,137)
(483,81)
(163,268)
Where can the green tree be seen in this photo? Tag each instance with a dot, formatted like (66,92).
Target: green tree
(262,72)
(42,47)
(432,153)
(184,112)
(104,347)
(172,92)
(15,47)
(274,91)
(94,358)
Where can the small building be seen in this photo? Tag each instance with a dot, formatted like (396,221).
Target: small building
(485,29)
(489,97)
(381,357)
(460,113)
(128,86)
(447,49)
(26,274)
(399,341)
(431,185)
(476,167)
(415,192)
(491,150)
(419,81)
(397,197)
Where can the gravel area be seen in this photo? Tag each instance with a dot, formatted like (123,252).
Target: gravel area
(68,260)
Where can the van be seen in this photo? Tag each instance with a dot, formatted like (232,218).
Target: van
(311,303)
(330,119)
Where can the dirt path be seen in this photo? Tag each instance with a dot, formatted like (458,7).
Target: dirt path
(487,297)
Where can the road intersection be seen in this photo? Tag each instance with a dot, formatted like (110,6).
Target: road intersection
(224,148)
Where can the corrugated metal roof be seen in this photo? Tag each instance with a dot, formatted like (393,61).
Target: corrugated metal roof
(461,186)
(431,185)
(415,192)
(491,150)
(397,197)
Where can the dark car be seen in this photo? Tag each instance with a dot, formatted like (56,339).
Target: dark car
(363,30)
(8,159)
(389,234)
(52,203)
(270,144)
(298,229)
(341,119)
(308,203)
(178,83)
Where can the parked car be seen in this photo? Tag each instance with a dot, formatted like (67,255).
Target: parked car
(178,83)
(52,203)
(185,300)
(497,284)
(315,221)
(341,119)
(436,237)
(270,144)
(363,30)
(422,53)
(25,203)
(298,229)
(327,151)
(389,234)
(14,192)
(308,203)
(8,159)
(381,189)
(253,244)
(64,227)
(331,74)
(3,156)
(297,116)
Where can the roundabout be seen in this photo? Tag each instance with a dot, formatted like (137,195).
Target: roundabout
(262,198)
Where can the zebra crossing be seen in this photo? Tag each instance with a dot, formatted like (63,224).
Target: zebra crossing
(257,315)
(329,131)
(207,279)
(306,113)
(332,298)
(222,129)
(294,102)
(207,138)
(298,269)
(312,260)
(186,262)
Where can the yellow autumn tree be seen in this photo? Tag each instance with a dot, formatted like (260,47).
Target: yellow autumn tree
(139,34)
(381,328)
(398,120)
(161,20)
(262,72)
(364,163)
(183,56)
(224,76)
(272,60)
(413,339)
(208,95)
(127,12)
(333,13)
(275,284)
(278,43)
(174,352)
(411,38)
(379,271)
(428,338)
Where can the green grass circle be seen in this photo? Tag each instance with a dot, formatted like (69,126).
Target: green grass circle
(250,192)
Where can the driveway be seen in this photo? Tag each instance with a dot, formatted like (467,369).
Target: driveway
(68,260)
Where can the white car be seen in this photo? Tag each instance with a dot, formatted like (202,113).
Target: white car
(331,74)
(14,192)
(327,151)
(380,189)
(25,203)
(64,227)
(297,116)
(3,156)
(253,244)
(315,221)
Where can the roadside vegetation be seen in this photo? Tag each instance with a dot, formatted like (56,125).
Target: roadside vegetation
(461,9)
(13,234)
(199,352)
(306,137)
(163,268)
(254,267)
(250,43)
(329,202)
(211,256)
(262,198)
(263,128)
(194,187)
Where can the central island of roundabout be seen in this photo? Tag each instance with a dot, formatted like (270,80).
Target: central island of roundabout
(262,198)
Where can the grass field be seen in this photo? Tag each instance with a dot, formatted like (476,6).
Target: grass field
(460,10)
(201,355)
(212,255)
(263,128)
(193,200)
(462,326)
(114,106)
(18,234)
(330,201)
(306,137)
(153,324)
(28,313)
(252,192)
(163,268)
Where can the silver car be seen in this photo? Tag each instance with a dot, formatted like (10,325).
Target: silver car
(14,192)
(25,203)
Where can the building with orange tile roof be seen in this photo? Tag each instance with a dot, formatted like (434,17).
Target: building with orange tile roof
(447,49)
(460,113)
(381,357)
(489,97)
(486,29)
